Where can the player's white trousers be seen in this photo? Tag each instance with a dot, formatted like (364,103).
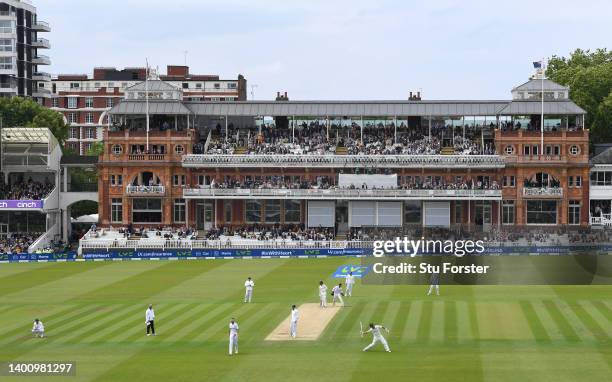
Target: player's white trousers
(293,329)
(431,287)
(323,300)
(40,333)
(337,298)
(248,295)
(233,343)
(375,340)
(349,289)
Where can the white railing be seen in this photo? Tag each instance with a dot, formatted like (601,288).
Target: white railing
(45,240)
(90,243)
(238,193)
(554,192)
(158,190)
(307,160)
(604,220)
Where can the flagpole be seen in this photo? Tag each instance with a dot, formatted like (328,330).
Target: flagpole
(147,100)
(542,115)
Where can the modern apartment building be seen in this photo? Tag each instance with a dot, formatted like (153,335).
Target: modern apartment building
(20,51)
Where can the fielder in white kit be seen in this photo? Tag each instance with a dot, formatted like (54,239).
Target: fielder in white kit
(377,337)
(38,329)
(295,315)
(322,295)
(349,281)
(248,286)
(337,293)
(233,336)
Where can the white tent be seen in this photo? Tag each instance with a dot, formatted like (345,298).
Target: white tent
(93,218)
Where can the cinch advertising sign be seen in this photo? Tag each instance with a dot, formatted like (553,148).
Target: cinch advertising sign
(21,204)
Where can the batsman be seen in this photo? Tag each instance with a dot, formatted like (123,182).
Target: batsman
(376,336)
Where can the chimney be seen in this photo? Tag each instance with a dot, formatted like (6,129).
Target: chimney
(177,71)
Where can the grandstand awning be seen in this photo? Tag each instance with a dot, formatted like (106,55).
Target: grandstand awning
(128,107)
(26,135)
(348,108)
(535,107)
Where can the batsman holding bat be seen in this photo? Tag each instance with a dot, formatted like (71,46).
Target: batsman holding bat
(376,336)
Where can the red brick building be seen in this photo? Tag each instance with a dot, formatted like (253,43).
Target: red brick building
(475,163)
(85,100)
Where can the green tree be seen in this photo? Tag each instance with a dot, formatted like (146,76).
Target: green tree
(97,148)
(589,77)
(21,112)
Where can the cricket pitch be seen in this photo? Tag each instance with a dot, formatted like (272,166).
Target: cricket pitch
(312,322)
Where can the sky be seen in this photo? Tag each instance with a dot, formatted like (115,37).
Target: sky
(330,49)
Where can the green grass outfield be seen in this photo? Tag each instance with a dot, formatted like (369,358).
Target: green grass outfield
(94,314)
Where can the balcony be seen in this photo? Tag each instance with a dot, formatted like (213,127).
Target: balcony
(147,157)
(543,192)
(41,26)
(145,190)
(342,161)
(339,194)
(41,59)
(7,88)
(41,93)
(41,43)
(41,76)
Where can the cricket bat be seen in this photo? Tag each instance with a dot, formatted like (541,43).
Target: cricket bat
(361,329)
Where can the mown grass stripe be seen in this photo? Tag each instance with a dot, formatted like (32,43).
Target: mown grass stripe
(605,310)
(564,326)
(97,325)
(256,326)
(548,323)
(162,327)
(222,324)
(423,332)
(412,321)
(221,311)
(7,308)
(51,326)
(194,315)
(571,312)
(450,322)
(537,328)
(121,323)
(463,326)
(135,326)
(47,319)
(437,328)
(390,317)
(595,320)
(401,320)
(473,319)
(340,330)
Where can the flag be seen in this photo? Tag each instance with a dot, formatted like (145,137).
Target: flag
(537,64)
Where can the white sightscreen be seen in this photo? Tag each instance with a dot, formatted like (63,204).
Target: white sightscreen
(436,214)
(362,213)
(321,214)
(389,214)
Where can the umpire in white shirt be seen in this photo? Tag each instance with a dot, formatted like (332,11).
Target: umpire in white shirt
(150,320)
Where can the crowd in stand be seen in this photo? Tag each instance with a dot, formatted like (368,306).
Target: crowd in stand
(316,138)
(273,233)
(17,242)
(25,190)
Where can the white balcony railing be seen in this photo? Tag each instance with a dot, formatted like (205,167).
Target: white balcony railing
(145,190)
(547,192)
(404,161)
(334,194)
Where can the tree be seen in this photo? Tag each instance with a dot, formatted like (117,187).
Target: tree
(589,77)
(21,112)
(96,149)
